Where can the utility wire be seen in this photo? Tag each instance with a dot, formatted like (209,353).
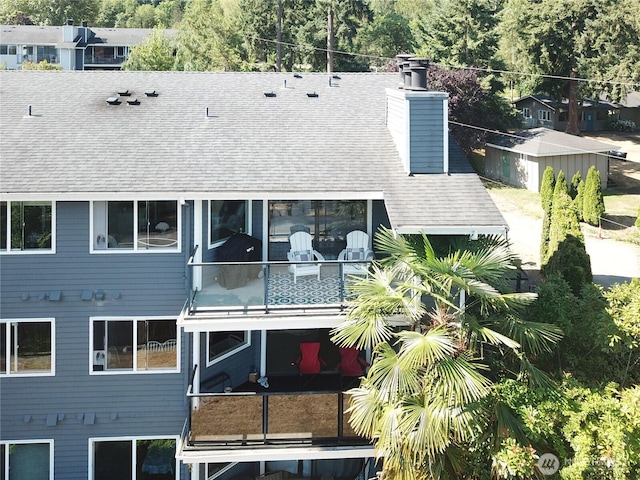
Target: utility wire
(520,137)
(626,83)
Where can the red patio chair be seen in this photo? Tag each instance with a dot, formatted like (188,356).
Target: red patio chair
(309,361)
(351,363)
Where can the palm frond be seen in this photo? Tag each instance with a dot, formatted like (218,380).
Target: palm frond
(390,377)
(458,380)
(364,410)
(533,375)
(534,337)
(418,349)
(363,332)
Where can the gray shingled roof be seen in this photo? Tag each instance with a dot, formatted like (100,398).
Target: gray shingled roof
(30,34)
(544,142)
(52,35)
(76,145)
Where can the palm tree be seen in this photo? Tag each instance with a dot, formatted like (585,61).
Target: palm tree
(436,318)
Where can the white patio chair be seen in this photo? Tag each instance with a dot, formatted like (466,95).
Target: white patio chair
(302,251)
(357,249)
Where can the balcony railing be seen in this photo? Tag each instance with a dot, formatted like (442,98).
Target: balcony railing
(259,419)
(103,60)
(261,286)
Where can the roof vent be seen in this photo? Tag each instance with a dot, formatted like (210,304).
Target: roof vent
(297,75)
(151,93)
(113,101)
(135,101)
(125,93)
(269,94)
(312,95)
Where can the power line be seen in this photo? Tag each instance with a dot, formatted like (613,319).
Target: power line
(626,83)
(520,137)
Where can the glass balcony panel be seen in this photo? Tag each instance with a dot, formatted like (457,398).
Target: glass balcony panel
(271,284)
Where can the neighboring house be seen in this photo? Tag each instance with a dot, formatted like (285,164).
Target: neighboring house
(122,326)
(70,46)
(521,158)
(543,111)
(630,108)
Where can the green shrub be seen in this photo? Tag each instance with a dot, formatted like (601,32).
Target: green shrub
(593,203)
(638,218)
(579,201)
(546,188)
(575,181)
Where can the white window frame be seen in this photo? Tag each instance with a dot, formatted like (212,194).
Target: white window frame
(30,251)
(134,370)
(248,220)
(133,440)
(544,115)
(239,348)
(526,112)
(8,443)
(7,324)
(94,235)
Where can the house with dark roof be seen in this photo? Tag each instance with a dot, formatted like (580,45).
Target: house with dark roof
(157,311)
(520,159)
(544,111)
(72,47)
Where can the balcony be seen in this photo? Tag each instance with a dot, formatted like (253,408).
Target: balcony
(103,60)
(236,290)
(307,412)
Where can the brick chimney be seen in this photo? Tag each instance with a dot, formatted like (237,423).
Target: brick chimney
(418,119)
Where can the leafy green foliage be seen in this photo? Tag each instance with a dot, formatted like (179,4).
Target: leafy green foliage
(43,65)
(547,187)
(573,187)
(470,103)
(593,203)
(461,329)
(578,201)
(156,53)
(638,218)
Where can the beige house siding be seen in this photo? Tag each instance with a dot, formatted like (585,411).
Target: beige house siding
(525,171)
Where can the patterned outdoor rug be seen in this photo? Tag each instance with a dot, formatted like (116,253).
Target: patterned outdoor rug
(307,290)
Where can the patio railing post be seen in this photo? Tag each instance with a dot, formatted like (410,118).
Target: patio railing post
(340,415)
(267,275)
(265,417)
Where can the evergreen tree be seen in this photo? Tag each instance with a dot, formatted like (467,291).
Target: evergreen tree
(575,181)
(546,198)
(546,188)
(593,203)
(566,253)
(579,201)
(561,184)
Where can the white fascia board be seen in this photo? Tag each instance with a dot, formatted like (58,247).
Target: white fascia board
(570,151)
(453,230)
(270,454)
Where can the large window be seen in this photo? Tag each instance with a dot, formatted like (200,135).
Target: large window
(328,221)
(544,115)
(133,459)
(8,49)
(221,345)
(26,226)
(26,460)
(136,225)
(526,112)
(134,345)
(227,217)
(27,347)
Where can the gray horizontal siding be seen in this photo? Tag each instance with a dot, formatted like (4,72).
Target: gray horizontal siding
(426,154)
(145,404)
